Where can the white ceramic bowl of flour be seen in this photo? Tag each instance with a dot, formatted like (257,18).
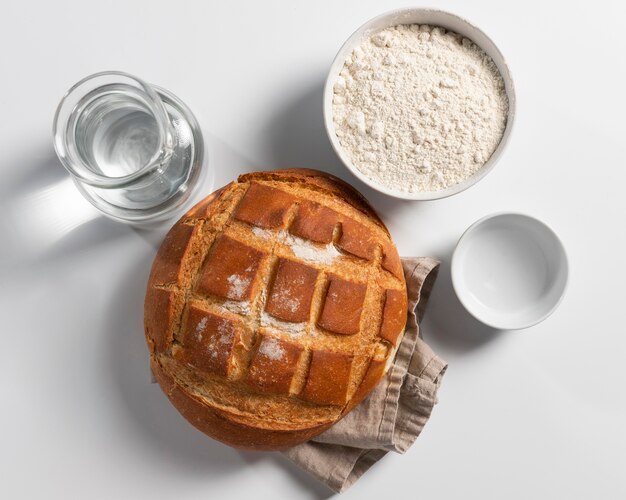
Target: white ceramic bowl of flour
(509,270)
(420,16)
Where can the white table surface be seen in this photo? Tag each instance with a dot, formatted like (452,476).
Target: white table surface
(533,414)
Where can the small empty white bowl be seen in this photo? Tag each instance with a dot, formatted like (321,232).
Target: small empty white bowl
(509,270)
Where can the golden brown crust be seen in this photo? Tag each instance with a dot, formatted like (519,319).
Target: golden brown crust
(208,341)
(230,261)
(328,378)
(289,296)
(315,222)
(269,374)
(159,314)
(391,260)
(357,239)
(323,181)
(172,251)
(374,373)
(160,304)
(273,307)
(225,427)
(203,208)
(343,306)
(264,206)
(394,315)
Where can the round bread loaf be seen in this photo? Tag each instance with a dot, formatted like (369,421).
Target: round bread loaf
(273,307)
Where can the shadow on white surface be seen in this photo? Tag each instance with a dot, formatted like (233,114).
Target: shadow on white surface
(447,323)
(304,481)
(46,219)
(227,163)
(295,474)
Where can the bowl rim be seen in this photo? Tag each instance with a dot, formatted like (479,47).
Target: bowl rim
(455,270)
(354,39)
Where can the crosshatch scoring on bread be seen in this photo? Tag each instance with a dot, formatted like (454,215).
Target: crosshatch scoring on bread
(273,307)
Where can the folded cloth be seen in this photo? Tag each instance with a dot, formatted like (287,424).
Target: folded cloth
(394,414)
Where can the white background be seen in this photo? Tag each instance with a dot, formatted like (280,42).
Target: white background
(532,414)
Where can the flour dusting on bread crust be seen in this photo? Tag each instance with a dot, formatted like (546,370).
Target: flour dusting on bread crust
(271,349)
(238,285)
(291,329)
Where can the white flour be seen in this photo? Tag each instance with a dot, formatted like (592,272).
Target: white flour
(302,248)
(224,337)
(200,327)
(419,108)
(238,285)
(237,307)
(291,329)
(271,349)
(306,250)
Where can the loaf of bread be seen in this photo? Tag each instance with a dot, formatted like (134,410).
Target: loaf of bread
(273,307)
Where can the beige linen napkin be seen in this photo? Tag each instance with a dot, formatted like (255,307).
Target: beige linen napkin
(394,414)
